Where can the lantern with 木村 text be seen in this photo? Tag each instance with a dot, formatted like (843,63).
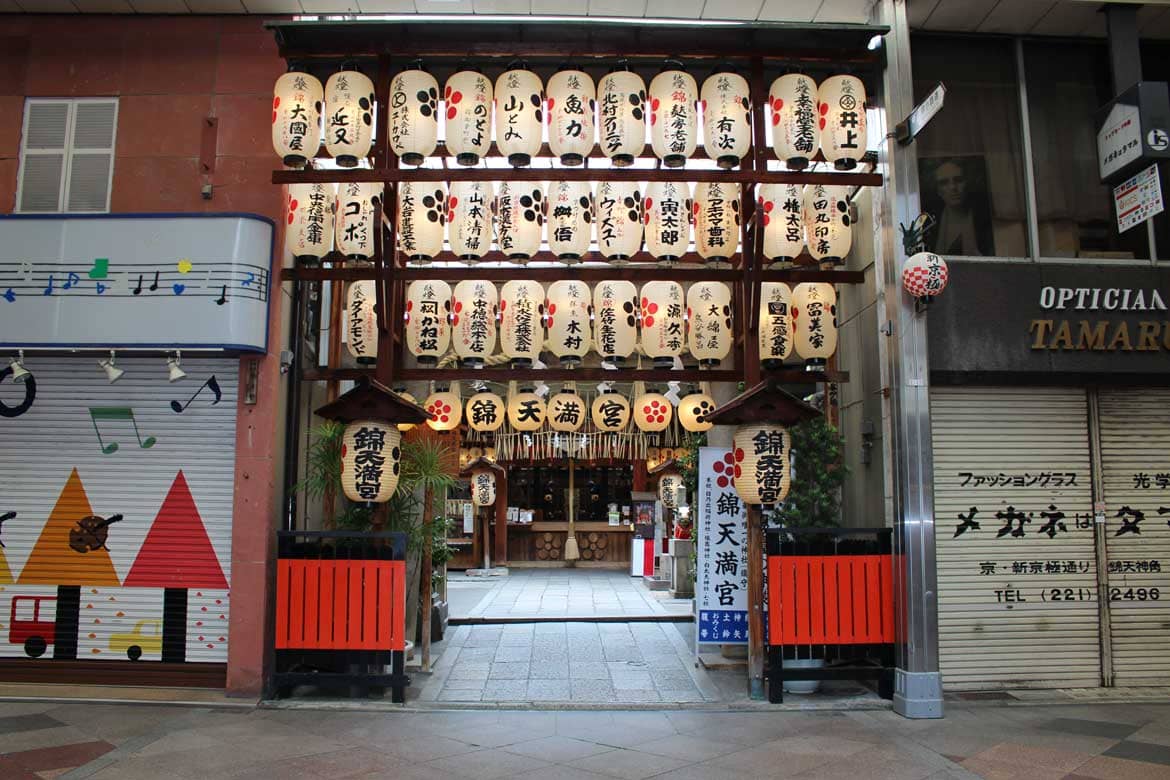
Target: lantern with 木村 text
(924,276)
(405,396)
(716,208)
(310,218)
(349,117)
(297,99)
(566,412)
(567,317)
(370,461)
(671,489)
(485,412)
(468,97)
(414,115)
(473,321)
(782,212)
(521,321)
(709,314)
(445,408)
(693,410)
(361,324)
(526,410)
(674,125)
(842,110)
(571,102)
(610,412)
(621,118)
(619,219)
(519,218)
(428,309)
(422,212)
(763,472)
(826,223)
(483,487)
(469,219)
(663,325)
(519,119)
(814,323)
(570,219)
(775,324)
(668,220)
(615,320)
(796,130)
(727,122)
(356,203)
(652,411)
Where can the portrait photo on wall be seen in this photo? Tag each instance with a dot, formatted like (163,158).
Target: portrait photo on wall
(954,191)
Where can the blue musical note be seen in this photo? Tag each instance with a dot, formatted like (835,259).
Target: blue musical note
(101,288)
(70,280)
(49,290)
(248,282)
(178,288)
(9,296)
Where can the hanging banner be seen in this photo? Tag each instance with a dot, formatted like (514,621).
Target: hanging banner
(721,578)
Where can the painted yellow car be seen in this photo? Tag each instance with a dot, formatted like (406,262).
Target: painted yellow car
(146,637)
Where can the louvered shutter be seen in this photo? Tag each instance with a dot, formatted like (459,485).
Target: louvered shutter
(46,136)
(92,155)
(67,155)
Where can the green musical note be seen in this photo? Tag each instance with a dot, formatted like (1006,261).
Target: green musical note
(116,413)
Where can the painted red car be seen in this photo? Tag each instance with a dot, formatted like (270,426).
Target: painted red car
(26,627)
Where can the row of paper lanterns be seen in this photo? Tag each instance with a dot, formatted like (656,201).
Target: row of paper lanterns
(580,115)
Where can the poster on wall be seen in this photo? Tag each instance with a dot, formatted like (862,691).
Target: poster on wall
(721,577)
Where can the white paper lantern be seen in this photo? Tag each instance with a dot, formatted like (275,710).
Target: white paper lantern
(566,412)
(619,219)
(519,119)
(519,218)
(814,322)
(428,331)
(615,320)
(775,324)
(709,313)
(483,487)
(446,409)
(526,411)
(925,275)
(567,316)
(668,220)
(727,118)
(670,489)
(371,456)
(469,219)
(473,321)
(782,212)
(570,219)
(310,217)
(716,221)
(762,469)
(349,117)
(355,218)
(693,411)
(422,213)
(610,412)
(796,130)
(361,322)
(842,110)
(297,100)
(826,222)
(652,412)
(663,325)
(401,393)
(414,116)
(485,412)
(522,321)
(674,125)
(571,102)
(468,97)
(621,98)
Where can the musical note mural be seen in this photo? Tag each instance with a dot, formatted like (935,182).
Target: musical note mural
(116,414)
(211,384)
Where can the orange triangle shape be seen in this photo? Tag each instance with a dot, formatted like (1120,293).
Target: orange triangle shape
(53,561)
(177,552)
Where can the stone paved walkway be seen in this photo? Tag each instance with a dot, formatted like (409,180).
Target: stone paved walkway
(572,593)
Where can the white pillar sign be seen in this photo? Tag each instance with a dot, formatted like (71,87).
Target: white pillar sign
(721,578)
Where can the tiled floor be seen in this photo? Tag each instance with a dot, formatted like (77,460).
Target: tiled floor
(571,593)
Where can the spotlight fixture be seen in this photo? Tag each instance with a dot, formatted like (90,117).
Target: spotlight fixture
(874,43)
(113,373)
(19,372)
(174,372)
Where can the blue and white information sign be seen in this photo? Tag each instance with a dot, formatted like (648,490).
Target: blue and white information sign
(721,580)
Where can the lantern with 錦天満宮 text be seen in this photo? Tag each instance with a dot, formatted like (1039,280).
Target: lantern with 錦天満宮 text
(483,487)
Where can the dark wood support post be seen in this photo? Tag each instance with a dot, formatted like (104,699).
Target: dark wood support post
(500,554)
(755,552)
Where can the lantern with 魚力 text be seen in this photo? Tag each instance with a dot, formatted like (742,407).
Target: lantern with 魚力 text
(615,320)
(814,323)
(483,487)
(570,219)
(468,97)
(519,117)
(521,321)
(370,461)
(566,412)
(782,211)
(826,223)
(610,412)
(762,468)
(310,217)
(519,218)
(422,212)
(469,219)
(842,109)
(924,275)
(485,412)
(571,100)
(621,118)
(446,409)
(619,219)
(356,203)
(414,115)
(674,125)
(349,117)
(473,321)
(796,130)
(652,411)
(716,208)
(297,99)
(709,315)
(428,332)
(526,410)
(775,324)
(668,220)
(663,324)
(361,324)
(727,124)
(567,317)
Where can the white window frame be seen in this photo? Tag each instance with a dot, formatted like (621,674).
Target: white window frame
(67,152)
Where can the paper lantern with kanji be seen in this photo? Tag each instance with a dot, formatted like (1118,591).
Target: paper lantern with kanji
(668,220)
(349,117)
(414,115)
(674,120)
(570,219)
(663,308)
(775,324)
(519,218)
(610,412)
(709,314)
(522,321)
(814,322)
(567,317)
(468,98)
(827,230)
(428,331)
(621,118)
(796,130)
(526,411)
(519,118)
(619,219)
(716,208)
(925,275)
(566,412)
(615,320)
(446,409)
(297,100)
(473,321)
(571,101)
(361,322)
(763,471)
(422,213)
(727,123)
(469,219)
(355,218)
(652,412)
(693,410)
(671,490)
(483,487)
(401,393)
(371,456)
(309,214)
(782,212)
(485,412)
(842,110)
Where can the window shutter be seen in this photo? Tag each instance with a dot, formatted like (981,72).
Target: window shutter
(92,155)
(46,134)
(67,155)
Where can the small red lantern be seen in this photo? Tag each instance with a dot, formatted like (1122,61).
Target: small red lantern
(925,275)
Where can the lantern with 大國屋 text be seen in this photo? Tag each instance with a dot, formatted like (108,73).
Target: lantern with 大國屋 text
(619,220)
(842,110)
(671,489)
(652,410)
(469,219)
(570,219)
(468,98)
(621,118)
(361,322)
(349,117)
(356,202)
(693,410)
(674,124)
(309,214)
(422,212)
(483,487)
(566,411)
(445,408)
(519,117)
(827,229)
(668,220)
(571,102)
(716,208)
(775,324)
(485,412)
(297,100)
(663,325)
(519,209)
(526,410)
(567,317)
(782,211)
(610,412)
(709,316)
(796,130)
(428,309)
(814,323)
(473,321)
(414,115)
(924,276)
(727,125)
(522,321)
(615,320)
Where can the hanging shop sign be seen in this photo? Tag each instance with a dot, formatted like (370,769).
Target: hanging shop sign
(721,578)
(1133,130)
(1137,199)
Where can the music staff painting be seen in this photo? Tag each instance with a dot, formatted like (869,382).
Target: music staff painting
(19,279)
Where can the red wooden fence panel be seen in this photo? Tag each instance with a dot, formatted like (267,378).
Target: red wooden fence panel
(340,605)
(830,599)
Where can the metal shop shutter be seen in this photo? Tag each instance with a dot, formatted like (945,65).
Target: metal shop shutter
(1135,461)
(1017,607)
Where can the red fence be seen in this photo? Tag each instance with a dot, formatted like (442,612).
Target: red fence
(835,600)
(340,605)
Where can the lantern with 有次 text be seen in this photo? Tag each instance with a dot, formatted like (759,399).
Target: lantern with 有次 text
(727,125)
(297,100)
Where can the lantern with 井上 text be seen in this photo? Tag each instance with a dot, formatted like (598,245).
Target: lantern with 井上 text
(414,115)
(615,320)
(297,100)
(621,118)
(422,212)
(671,490)
(519,118)
(652,411)
(519,209)
(827,231)
(814,323)
(567,317)
(473,321)
(566,412)
(693,410)
(842,110)
(356,202)
(349,117)
(796,130)
(483,487)
(716,208)
(775,324)
(924,276)
(428,331)
(469,219)
(610,412)
(526,410)
(727,125)
(709,315)
(782,210)
(485,412)
(662,310)
(310,218)
(570,219)
(468,98)
(763,471)
(668,220)
(571,102)
(674,125)
(361,323)
(445,408)
(522,321)
(371,456)
(619,219)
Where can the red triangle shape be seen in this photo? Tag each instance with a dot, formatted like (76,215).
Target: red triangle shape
(177,552)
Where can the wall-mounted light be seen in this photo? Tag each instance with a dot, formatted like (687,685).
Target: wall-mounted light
(19,372)
(113,373)
(174,372)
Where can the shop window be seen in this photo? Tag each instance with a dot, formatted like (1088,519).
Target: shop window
(970,156)
(67,155)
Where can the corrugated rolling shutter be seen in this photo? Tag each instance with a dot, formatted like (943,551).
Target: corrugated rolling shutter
(1017,607)
(153,583)
(1135,460)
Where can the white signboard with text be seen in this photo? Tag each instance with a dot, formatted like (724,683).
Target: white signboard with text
(1119,141)
(721,579)
(1138,198)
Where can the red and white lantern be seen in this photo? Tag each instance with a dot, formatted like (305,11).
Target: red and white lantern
(446,408)
(925,275)
(621,98)
(297,100)
(519,218)
(652,411)
(414,115)
(473,321)
(469,219)
(782,212)
(727,124)
(842,110)
(717,219)
(709,314)
(827,230)
(567,316)
(428,330)
(522,321)
(814,323)
(619,220)
(663,327)
(519,117)
(674,120)
(349,117)
(468,99)
(361,322)
(309,211)
(796,129)
(615,320)
(571,101)
(570,219)
(483,487)
(422,213)
(668,220)
(775,324)
(355,218)
(370,461)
